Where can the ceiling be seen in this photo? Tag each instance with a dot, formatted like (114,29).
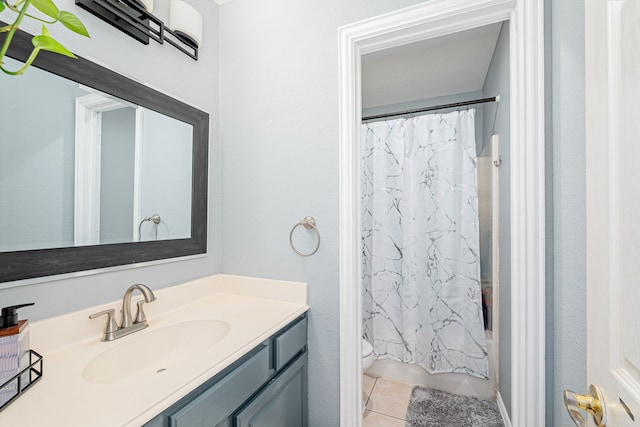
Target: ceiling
(446,65)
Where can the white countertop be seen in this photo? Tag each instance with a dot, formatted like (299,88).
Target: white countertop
(253,308)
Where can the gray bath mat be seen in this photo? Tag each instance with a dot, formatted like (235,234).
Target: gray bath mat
(431,408)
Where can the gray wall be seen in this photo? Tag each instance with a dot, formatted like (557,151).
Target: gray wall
(165,176)
(36,164)
(569,205)
(497,83)
(160,66)
(279,136)
(116,175)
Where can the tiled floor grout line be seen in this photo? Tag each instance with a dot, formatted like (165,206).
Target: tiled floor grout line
(375,382)
(387,415)
(371,392)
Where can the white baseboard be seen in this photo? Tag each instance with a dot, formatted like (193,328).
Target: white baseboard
(503,411)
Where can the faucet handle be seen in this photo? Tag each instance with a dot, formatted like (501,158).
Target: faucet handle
(110,327)
(140,316)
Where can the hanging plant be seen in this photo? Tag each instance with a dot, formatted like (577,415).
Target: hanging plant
(43,41)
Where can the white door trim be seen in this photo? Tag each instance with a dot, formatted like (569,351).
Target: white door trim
(88,143)
(426,20)
(137,174)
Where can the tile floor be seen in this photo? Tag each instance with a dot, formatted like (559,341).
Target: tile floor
(386,402)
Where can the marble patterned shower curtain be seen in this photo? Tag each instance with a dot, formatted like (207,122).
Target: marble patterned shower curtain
(421,260)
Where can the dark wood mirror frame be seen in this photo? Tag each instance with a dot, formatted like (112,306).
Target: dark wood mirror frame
(30,264)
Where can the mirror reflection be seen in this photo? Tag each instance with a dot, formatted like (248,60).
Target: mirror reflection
(80,167)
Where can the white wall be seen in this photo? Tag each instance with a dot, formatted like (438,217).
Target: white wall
(160,66)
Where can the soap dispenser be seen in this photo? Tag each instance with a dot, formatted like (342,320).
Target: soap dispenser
(14,351)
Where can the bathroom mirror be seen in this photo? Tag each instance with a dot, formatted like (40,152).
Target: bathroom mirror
(96,170)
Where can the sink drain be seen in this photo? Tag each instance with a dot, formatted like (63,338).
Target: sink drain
(160,370)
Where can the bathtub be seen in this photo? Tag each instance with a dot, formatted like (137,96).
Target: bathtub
(453,383)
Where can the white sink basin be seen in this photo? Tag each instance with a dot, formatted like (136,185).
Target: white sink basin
(154,350)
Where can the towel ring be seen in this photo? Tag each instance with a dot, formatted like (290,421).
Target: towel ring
(309,223)
(155,218)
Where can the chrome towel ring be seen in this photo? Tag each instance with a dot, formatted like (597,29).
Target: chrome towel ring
(155,218)
(310,224)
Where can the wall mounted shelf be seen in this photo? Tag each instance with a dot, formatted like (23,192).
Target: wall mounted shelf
(132,18)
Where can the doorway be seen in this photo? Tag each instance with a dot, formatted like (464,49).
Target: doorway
(421,22)
(435,208)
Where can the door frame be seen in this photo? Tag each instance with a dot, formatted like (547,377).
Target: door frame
(88,157)
(426,20)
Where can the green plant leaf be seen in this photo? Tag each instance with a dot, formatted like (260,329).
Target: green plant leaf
(47,7)
(73,23)
(46,42)
(2,6)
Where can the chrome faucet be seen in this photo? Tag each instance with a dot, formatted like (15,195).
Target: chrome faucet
(126,306)
(127,326)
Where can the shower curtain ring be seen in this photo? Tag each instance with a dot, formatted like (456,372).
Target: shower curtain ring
(310,224)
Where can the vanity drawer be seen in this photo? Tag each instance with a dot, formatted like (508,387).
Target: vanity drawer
(289,343)
(219,401)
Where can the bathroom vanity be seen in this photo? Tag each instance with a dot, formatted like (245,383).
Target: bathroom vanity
(276,369)
(219,351)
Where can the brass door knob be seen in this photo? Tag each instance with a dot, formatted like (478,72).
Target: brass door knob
(593,403)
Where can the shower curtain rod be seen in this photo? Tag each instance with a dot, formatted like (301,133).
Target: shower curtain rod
(436,107)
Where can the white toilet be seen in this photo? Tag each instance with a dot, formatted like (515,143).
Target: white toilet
(367,355)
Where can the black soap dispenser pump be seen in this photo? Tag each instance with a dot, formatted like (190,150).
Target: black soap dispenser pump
(14,347)
(9,315)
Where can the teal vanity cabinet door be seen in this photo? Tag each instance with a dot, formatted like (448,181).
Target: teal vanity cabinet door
(282,403)
(219,401)
(226,423)
(214,402)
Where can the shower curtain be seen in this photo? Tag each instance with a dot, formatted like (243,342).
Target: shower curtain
(421,261)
